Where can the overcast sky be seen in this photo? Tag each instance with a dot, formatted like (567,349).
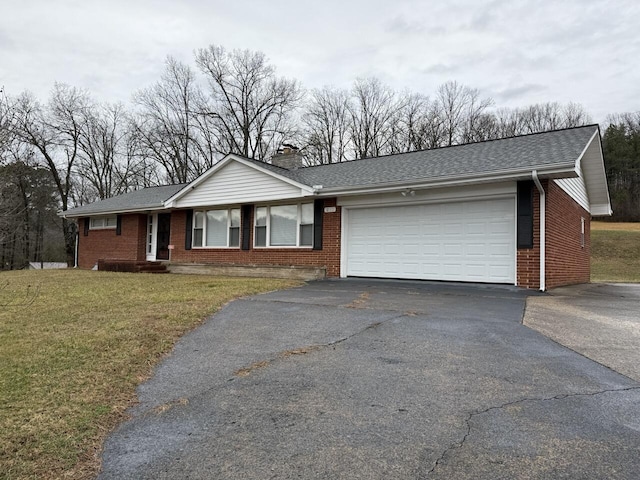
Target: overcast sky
(517,52)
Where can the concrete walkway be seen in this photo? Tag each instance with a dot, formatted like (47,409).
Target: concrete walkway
(600,321)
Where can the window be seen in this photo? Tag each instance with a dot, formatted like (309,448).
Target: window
(582,232)
(284,226)
(97,223)
(198,228)
(150,234)
(216,228)
(261,227)
(306,225)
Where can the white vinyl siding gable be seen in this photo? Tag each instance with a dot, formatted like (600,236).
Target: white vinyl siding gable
(238,183)
(589,189)
(576,189)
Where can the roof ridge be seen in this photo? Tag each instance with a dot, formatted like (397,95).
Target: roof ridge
(457,145)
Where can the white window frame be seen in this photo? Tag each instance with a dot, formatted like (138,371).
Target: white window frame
(101,222)
(268,226)
(204,229)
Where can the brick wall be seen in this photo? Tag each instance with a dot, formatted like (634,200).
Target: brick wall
(130,245)
(328,257)
(528,269)
(567,262)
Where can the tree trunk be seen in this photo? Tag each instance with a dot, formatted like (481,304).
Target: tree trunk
(69,229)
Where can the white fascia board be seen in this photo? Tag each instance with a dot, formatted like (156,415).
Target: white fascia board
(602,210)
(604,202)
(584,150)
(235,158)
(65,213)
(566,171)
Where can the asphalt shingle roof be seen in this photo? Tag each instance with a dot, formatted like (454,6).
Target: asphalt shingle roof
(558,148)
(545,150)
(151,197)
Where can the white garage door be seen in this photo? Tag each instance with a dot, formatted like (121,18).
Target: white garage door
(471,241)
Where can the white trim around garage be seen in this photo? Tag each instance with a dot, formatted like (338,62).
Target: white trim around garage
(502,192)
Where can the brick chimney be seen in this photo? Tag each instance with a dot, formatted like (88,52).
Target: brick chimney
(288,156)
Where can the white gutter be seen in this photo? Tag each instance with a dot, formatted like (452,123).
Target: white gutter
(452,181)
(543,230)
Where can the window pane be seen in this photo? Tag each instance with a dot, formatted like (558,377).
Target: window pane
(306,235)
(306,213)
(197,237)
(234,237)
(110,221)
(261,217)
(261,237)
(217,228)
(284,222)
(235,217)
(95,222)
(198,220)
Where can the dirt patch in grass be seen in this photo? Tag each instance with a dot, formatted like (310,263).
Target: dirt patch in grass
(615,252)
(73,347)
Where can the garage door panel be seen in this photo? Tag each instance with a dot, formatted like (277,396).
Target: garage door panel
(461,241)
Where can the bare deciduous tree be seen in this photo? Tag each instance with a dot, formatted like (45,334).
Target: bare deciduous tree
(7,121)
(462,109)
(54,132)
(250,106)
(372,110)
(105,161)
(167,129)
(326,122)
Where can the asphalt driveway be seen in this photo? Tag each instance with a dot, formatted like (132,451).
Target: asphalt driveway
(378,380)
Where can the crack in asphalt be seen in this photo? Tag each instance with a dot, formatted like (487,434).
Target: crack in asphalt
(246,371)
(470,416)
(359,306)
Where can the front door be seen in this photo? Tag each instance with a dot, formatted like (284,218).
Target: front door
(163,235)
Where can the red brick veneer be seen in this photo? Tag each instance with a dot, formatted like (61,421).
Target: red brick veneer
(567,262)
(328,257)
(104,243)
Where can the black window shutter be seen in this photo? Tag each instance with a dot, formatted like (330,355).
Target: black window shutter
(119,225)
(188,230)
(525,214)
(318,211)
(85,223)
(246,226)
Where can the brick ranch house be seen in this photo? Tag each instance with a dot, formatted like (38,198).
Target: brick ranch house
(512,211)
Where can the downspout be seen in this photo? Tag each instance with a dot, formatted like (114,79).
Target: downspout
(543,230)
(75,257)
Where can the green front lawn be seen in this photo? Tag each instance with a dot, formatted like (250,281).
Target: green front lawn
(73,347)
(615,252)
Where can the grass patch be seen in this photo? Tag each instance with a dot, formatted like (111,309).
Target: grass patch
(73,347)
(615,252)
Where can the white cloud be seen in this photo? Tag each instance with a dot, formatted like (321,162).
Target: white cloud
(520,52)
